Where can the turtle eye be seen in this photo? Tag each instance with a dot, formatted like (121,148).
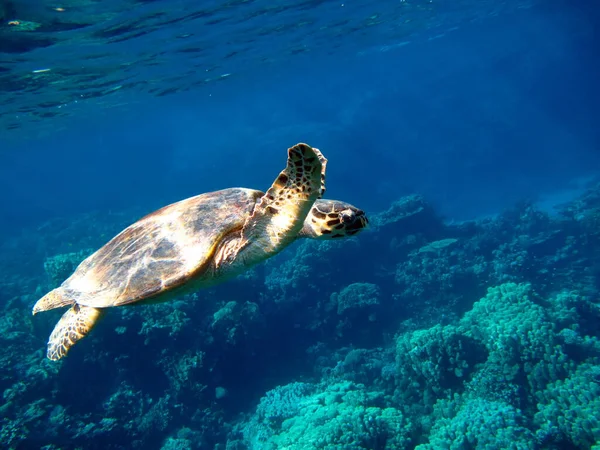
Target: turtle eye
(347,216)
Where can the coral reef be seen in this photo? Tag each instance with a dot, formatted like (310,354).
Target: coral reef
(418,334)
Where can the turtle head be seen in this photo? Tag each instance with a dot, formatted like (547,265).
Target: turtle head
(331,219)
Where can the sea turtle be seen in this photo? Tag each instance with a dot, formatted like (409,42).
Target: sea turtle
(198,242)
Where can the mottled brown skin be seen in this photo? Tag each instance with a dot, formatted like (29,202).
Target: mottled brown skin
(198,242)
(332,219)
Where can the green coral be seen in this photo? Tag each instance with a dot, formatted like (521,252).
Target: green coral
(519,334)
(23,25)
(478,423)
(236,322)
(509,353)
(163,319)
(183,371)
(342,415)
(569,408)
(434,361)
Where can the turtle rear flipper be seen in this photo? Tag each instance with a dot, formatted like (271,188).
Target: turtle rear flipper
(53,299)
(75,324)
(279,215)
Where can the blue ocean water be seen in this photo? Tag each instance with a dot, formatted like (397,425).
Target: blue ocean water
(465,317)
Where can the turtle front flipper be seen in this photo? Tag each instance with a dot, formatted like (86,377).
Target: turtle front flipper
(75,324)
(323,170)
(279,215)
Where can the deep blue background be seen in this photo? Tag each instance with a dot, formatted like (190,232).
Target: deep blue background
(474,124)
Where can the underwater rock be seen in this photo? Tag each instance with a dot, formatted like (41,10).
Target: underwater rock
(437,246)
(357,297)
(401,210)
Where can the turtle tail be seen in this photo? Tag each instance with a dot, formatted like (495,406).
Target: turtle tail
(75,324)
(53,299)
